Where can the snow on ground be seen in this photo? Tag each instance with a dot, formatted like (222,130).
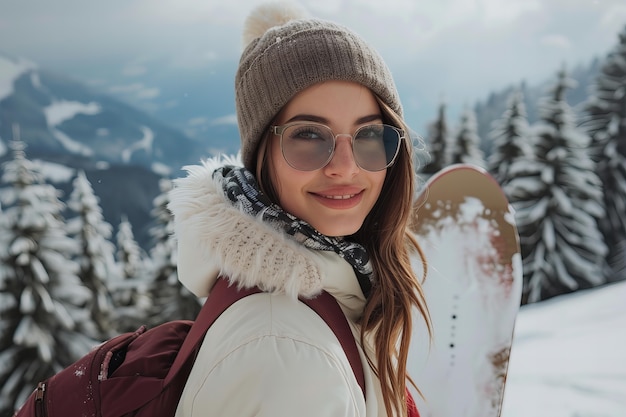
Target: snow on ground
(70,144)
(569,357)
(161,169)
(54,172)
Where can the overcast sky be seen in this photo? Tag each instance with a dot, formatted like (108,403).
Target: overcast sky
(459,49)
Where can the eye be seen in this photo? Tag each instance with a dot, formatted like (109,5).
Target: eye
(307,133)
(373,132)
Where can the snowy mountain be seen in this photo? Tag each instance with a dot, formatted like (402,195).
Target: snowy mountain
(64,121)
(68,127)
(568,356)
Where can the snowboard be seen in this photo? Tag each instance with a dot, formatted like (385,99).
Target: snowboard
(465,227)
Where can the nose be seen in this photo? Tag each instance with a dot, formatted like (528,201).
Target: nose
(342,163)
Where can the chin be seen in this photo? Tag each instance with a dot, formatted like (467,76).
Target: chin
(339,231)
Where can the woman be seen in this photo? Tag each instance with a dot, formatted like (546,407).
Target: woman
(322,202)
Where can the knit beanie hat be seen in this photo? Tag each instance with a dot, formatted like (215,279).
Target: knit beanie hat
(287,52)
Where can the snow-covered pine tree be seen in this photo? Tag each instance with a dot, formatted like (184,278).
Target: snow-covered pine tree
(97,253)
(44,321)
(171,300)
(437,140)
(465,145)
(510,138)
(130,292)
(605,121)
(557,197)
(129,254)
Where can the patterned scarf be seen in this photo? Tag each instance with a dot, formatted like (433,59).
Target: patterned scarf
(241,188)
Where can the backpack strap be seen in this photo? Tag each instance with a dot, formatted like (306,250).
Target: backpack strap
(328,309)
(223,295)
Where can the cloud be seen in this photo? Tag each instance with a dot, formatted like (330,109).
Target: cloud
(499,12)
(186,12)
(230,119)
(126,89)
(193,34)
(194,57)
(95,82)
(136,91)
(134,70)
(137,66)
(614,15)
(198,121)
(556,41)
(148,93)
(170,104)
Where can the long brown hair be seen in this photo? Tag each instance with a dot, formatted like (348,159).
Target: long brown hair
(397,293)
(388,313)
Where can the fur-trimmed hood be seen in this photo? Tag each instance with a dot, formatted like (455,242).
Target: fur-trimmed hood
(216,238)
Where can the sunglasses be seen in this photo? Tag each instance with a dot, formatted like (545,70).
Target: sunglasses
(311,146)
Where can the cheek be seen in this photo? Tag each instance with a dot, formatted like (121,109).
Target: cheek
(289,185)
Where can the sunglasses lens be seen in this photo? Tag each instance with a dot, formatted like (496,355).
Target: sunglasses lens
(307,147)
(376,146)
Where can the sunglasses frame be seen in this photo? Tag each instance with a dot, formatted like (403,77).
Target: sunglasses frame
(280,129)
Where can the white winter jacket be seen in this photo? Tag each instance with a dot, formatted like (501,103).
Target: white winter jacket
(268,354)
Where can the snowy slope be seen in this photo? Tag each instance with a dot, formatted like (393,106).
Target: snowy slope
(569,357)
(60,111)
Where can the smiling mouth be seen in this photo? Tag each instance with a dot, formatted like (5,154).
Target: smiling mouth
(340,201)
(339,197)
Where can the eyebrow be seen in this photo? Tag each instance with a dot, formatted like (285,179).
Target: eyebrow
(323,120)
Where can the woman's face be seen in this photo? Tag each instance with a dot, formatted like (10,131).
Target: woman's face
(334,199)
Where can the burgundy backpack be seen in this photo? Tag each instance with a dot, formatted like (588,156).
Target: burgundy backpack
(144,373)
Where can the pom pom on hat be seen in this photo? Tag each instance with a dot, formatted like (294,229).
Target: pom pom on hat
(269,15)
